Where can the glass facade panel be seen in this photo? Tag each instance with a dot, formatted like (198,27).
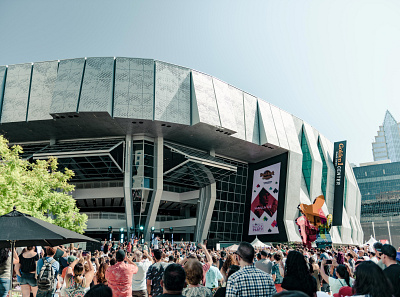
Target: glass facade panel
(227,219)
(324,171)
(307,161)
(143,165)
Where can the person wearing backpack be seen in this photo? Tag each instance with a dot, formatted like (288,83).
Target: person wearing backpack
(47,274)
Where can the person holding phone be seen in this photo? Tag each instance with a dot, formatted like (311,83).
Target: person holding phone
(343,278)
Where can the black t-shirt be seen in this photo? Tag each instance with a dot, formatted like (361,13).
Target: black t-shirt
(294,283)
(392,272)
(221,292)
(28,265)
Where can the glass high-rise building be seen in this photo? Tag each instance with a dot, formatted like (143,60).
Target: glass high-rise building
(387,142)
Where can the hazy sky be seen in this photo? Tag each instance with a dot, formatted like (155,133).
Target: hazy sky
(334,64)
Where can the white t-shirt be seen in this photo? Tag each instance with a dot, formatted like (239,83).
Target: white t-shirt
(336,284)
(139,279)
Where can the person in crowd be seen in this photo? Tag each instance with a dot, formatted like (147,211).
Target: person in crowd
(155,274)
(99,290)
(377,248)
(194,276)
(88,270)
(249,281)
(26,270)
(370,281)
(139,286)
(392,270)
(230,260)
(119,276)
(221,259)
(278,271)
(221,292)
(314,270)
(173,281)
(5,269)
(50,252)
(100,276)
(342,277)
(213,275)
(68,269)
(297,275)
(264,263)
(76,282)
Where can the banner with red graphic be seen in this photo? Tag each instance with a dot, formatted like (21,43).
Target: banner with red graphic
(264,200)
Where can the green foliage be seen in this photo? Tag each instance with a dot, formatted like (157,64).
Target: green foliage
(37,189)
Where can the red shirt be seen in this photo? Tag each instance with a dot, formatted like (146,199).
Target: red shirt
(119,277)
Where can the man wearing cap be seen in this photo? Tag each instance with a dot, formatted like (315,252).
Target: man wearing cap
(392,270)
(119,276)
(377,248)
(68,269)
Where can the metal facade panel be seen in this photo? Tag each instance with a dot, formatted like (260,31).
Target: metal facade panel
(251,118)
(134,88)
(205,98)
(16,94)
(2,82)
(68,85)
(280,128)
(267,126)
(172,96)
(44,77)
(236,99)
(291,132)
(97,85)
(224,102)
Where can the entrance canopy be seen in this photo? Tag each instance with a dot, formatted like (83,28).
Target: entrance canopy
(193,167)
(90,160)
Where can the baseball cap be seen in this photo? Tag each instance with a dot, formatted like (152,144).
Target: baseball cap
(71,259)
(389,250)
(378,246)
(120,255)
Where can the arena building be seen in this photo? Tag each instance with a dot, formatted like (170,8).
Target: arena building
(159,145)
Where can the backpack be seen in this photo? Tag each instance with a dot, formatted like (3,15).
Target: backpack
(46,277)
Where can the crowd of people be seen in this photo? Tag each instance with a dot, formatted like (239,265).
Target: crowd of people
(192,270)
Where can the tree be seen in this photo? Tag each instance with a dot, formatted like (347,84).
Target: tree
(38,189)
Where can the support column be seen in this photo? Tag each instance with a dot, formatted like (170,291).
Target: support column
(158,186)
(128,184)
(205,207)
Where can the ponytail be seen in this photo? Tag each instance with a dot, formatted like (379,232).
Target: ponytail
(78,274)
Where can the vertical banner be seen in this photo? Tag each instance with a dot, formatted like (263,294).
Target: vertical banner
(264,200)
(339,162)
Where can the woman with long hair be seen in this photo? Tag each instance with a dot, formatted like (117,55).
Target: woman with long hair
(26,269)
(230,260)
(76,282)
(100,277)
(343,277)
(314,270)
(297,275)
(371,281)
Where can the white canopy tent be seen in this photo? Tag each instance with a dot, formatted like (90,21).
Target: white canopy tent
(259,244)
(370,243)
(232,248)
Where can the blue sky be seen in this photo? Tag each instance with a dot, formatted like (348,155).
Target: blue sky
(334,64)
